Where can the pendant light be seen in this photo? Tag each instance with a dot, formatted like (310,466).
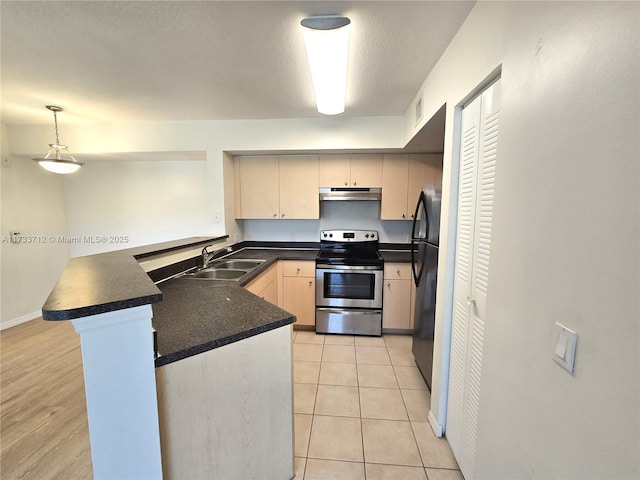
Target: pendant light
(327,42)
(58,159)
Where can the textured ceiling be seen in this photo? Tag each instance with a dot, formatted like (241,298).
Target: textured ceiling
(169,61)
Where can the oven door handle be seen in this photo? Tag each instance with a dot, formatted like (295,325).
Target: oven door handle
(347,267)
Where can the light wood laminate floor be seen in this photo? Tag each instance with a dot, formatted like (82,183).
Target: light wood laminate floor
(43,414)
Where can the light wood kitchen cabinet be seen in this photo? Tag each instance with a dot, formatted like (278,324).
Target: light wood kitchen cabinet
(266,285)
(395,176)
(398,297)
(258,183)
(403,177)
(277,187)
(350,171)
(299,290)
(298,187)
(423,169)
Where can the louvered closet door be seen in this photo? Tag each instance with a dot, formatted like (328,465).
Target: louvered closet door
(473,247)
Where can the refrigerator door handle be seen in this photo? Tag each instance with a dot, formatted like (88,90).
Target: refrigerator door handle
(417,262)
(421,203)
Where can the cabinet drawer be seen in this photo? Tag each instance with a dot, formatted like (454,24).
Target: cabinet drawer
(397,271)
(295,268)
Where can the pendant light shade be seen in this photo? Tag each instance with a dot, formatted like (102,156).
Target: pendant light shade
(326,39)
(58,159)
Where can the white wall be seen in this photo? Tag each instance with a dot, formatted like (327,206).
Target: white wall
(32,204)
(333,215)
(136,203)
(565,236)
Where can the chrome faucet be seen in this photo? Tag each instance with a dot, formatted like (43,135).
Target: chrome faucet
(208,256)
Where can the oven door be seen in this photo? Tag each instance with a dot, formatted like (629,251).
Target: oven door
(348,286)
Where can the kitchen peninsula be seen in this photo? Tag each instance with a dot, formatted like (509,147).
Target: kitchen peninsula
(219,400)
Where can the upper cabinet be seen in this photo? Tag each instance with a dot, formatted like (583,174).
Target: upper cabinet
(277,187)
(350,171)
(299,187)
(258,184)
(403,177)
(286,187)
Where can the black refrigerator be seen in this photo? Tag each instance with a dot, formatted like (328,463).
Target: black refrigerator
(425,237)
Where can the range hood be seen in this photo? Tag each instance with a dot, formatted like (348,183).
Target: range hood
(350,194)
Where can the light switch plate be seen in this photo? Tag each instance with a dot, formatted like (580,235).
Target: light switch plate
(564,346)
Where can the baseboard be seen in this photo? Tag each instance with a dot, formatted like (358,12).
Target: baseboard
(435,426)
(17,321)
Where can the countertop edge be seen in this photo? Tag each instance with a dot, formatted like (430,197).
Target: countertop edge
(163,360)
(117,281)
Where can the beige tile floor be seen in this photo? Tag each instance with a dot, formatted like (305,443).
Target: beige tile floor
(361,410)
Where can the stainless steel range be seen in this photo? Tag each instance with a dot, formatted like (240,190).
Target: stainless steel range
(349,272)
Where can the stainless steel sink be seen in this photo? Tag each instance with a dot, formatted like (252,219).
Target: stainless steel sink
(232,269)
(237,264)
(217,274)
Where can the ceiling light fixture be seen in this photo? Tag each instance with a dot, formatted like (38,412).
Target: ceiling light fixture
(58,159)
(327,41)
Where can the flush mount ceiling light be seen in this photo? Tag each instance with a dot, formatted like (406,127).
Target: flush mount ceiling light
(58,159)
(327,41)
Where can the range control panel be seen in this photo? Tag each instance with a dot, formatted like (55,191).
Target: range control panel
(348,235)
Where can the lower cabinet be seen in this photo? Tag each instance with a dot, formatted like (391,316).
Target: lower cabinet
(266,285)
(299,290)
(398,297)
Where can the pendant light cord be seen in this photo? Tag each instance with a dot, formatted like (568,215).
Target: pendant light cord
(55,121)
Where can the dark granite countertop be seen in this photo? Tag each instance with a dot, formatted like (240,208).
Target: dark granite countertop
(197,316)
(396,256)
(190,316)
(109,281)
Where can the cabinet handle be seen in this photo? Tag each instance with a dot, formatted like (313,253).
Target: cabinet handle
(346,184)
(275,215)
(388,284)
(310,283)
(471,300)
(403,215)
(398,271)
(412,215)
(354,183)
(298,269)
(283,215)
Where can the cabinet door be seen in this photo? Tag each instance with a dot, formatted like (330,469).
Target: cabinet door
(299,298)
(259,191)
(366,170)
(423,169)
(265,285)
(299,187)
(396,304)
(270,293)
(334,171)
(395,174)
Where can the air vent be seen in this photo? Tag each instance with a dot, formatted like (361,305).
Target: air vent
(419,110)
